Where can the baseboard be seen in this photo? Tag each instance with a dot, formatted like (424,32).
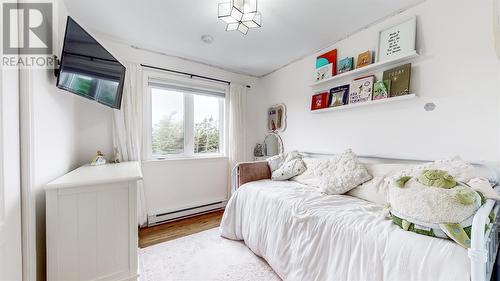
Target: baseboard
(184,213)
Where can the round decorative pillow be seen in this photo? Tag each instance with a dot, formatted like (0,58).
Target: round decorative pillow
(434,204)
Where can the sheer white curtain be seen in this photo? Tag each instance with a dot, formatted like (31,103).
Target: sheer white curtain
(236,124)
(127,129)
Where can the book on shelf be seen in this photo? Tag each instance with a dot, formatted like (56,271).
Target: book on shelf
(339,96)
(361,89)
(345,65)
(326,65)
(399,78)
(319,101)
(364,59)
(381,89)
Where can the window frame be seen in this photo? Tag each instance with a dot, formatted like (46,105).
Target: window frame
(160,77)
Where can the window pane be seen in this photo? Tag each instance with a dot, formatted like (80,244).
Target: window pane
(206,124)
(167,108)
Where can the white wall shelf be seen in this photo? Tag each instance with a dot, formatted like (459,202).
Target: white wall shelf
(372,102)
(358,72)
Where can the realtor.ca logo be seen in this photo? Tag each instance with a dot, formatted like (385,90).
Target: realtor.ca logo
(27,36)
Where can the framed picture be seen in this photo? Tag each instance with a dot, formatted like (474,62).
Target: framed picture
(276,118)
(397,40)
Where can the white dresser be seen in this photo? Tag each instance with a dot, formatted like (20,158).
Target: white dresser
(91,216)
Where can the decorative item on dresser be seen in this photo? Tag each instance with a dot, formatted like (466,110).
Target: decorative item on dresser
(258,152)
(91,216)
(98,159)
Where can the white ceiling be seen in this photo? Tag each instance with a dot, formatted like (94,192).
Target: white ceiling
(291,28)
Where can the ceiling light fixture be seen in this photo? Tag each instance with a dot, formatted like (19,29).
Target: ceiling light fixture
(240,15)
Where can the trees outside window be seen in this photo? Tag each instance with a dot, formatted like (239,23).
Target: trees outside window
(185,124)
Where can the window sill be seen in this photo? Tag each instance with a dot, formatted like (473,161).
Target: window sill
(184,159)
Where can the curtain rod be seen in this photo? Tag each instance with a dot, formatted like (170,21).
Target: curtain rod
(189,74)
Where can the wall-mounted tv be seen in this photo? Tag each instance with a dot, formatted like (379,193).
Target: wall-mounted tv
(88,69)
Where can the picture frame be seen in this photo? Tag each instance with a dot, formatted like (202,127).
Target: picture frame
(276,118)
(397,40)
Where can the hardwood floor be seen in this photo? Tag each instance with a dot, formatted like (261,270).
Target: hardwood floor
(176,229)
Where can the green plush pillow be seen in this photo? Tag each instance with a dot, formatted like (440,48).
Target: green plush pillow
(437,178)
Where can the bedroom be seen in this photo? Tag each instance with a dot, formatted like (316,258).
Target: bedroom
(194,99)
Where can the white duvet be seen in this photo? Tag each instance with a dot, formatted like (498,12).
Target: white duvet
(306,235)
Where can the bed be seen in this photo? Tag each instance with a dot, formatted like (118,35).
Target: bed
(306,235)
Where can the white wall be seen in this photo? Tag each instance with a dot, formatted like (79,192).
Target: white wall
(53,147)
(457,70)
(168,184)
(184,183)
(10,185)
(95,127)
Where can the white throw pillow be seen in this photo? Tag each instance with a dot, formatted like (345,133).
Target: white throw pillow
(289,169)
(275,162)
(313,172)
(376,189)
(344,172)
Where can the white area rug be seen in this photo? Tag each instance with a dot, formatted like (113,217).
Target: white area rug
(203,256)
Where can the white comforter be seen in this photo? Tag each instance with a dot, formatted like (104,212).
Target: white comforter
(305,235)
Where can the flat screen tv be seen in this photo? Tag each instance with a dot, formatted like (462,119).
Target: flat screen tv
(88,69)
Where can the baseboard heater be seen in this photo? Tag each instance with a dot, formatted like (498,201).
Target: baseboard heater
(184,213)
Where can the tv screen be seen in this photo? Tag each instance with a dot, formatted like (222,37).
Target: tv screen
(88,70)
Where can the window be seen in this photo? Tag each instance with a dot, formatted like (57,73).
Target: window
(185,121)
(167,108)
(206,124)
